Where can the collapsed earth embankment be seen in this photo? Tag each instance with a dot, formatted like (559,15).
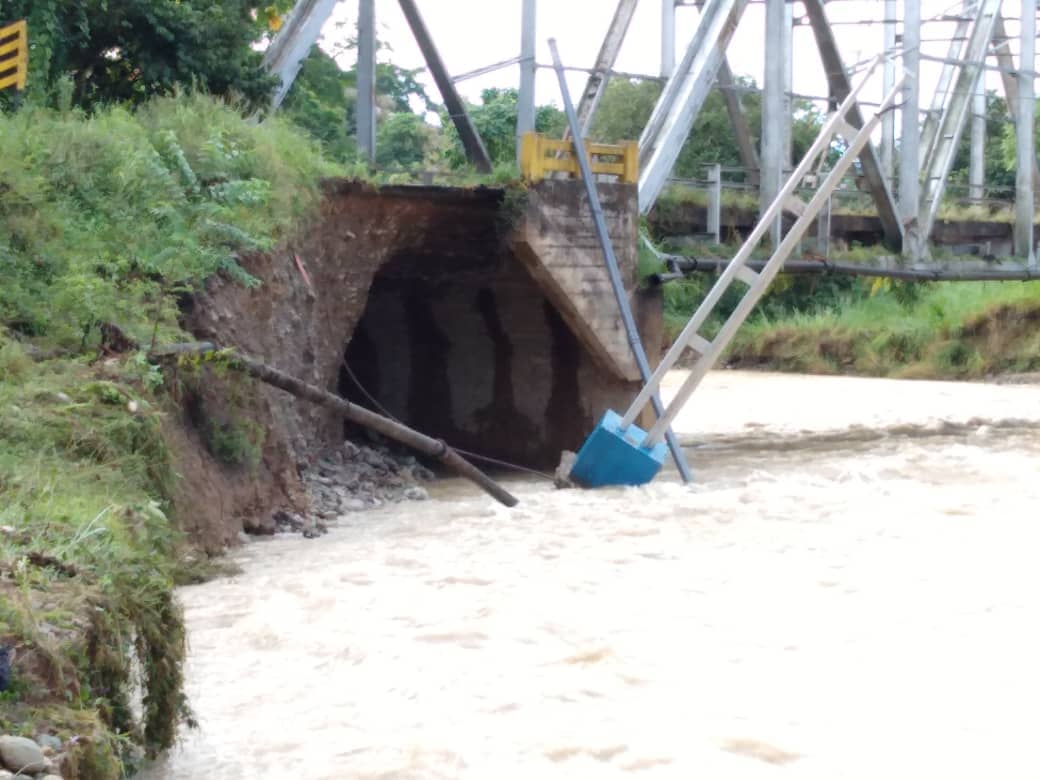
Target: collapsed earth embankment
(468,313)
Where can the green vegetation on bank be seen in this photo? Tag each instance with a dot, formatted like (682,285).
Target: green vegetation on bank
(835,324)
(106,221)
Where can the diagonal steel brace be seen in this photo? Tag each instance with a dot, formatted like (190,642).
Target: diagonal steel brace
(840,87)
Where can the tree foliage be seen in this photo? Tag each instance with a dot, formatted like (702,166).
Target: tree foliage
(495,120)
(128,50)
(323,101)
(1000,172)
(627,104)
(402,139)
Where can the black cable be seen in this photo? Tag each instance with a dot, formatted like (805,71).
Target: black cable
(486,459)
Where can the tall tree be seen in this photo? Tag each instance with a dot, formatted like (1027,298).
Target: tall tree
(128,50)
(323,102)
(495,120)
(627,105)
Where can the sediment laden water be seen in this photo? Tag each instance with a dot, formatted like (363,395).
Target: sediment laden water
(860,603)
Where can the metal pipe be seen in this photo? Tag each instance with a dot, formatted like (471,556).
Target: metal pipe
(620,294)
(386,426)
(931,273)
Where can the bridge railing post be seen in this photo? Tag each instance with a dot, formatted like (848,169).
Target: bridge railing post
(714,218)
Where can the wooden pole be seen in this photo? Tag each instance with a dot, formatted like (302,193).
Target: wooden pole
(392,429)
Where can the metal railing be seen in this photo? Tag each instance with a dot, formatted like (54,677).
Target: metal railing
(540,155)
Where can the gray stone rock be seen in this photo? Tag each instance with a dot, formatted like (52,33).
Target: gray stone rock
(22,755)
(51,777)
(354,505)
(4,774)
(423,474)
(350,450)
(416,493)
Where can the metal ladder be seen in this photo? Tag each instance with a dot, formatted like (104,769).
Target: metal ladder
(945,137)
(758,282)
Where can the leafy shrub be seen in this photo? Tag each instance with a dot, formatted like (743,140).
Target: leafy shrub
(108,216)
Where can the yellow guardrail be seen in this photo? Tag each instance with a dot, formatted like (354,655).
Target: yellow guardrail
(540,156)
(14,55)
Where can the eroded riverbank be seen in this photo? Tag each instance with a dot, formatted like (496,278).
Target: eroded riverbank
(839,608)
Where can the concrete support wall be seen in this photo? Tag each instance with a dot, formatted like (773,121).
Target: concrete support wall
(484,361)
(557,243)
(506,342)
(423,292)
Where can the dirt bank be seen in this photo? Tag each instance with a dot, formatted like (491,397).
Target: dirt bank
(313,293)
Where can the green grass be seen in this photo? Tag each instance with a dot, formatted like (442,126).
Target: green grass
(105,217)
(105,221)
(842,324)
(87,555)
(953,330)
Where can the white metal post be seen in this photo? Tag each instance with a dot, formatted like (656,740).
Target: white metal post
(366,80)
(1024,124)
(667,38)
(823,228)
(714,219)
(910,131)
(528,69)
(773,135)
(788,148)
(888,121)
(977,163)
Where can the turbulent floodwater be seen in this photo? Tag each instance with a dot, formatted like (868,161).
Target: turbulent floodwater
(850,590)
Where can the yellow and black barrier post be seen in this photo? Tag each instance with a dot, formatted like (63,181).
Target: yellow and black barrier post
(14,55)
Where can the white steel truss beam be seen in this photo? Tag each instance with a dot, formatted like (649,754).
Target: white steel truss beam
(293,42)
(939,159)
(683,97)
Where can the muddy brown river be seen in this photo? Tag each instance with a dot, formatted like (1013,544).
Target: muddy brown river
(850,590)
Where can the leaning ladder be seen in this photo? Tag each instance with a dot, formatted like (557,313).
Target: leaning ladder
(757,282)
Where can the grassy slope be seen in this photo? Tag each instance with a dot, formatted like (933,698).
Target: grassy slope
(955,330)
(106,220)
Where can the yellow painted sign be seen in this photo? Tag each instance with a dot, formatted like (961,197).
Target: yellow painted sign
(540,155)
(14,55)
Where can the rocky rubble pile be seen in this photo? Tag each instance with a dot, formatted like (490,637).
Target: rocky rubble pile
(38,758)
(352,478)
